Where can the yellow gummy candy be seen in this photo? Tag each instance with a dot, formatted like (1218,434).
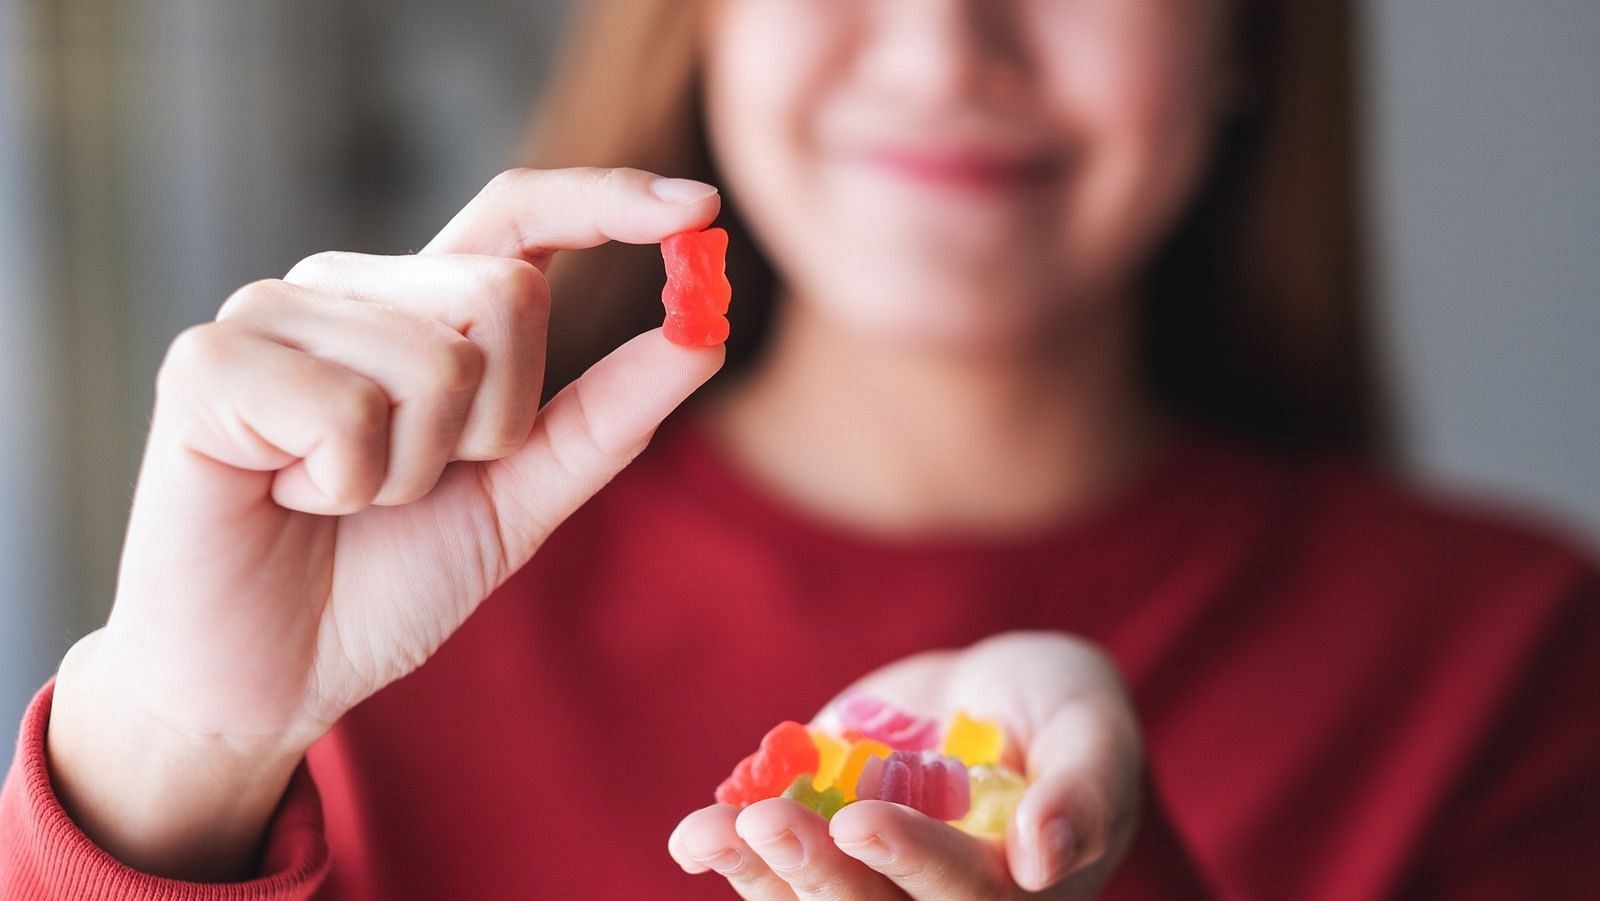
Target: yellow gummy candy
(974,742)
(830,759)
(995,794)
(855,761)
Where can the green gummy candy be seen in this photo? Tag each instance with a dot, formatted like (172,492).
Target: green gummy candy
(802,792)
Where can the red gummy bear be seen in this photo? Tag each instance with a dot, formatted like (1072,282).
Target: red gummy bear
(787,752)
(697,292)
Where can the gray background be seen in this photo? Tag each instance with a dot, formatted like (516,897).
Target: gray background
(155,154)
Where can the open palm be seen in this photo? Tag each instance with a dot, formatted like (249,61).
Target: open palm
(1071,729)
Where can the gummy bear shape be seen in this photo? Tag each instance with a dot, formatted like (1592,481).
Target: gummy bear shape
(697,291)
(826,802)
(882,721)
(996,791)
(786,752)
(831,753)
(855,760)
(923,780)
(973,741)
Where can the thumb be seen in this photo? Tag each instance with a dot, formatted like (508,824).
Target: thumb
(587,433)
(1078,816)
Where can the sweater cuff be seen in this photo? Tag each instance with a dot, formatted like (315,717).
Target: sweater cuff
(43,854)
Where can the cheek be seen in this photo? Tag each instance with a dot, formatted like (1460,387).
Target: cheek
(766,64)
(773,68)
(1138,89)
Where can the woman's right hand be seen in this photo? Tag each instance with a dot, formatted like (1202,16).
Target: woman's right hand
(339,470)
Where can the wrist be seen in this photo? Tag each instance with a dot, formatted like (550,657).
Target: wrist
(159,799)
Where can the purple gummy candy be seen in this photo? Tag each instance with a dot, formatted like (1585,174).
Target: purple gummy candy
(924,780)
(887,723)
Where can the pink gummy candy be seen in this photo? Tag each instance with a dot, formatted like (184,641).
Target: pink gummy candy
(924,780)
(884,722)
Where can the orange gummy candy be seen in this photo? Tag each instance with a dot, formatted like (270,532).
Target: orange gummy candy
(855,761)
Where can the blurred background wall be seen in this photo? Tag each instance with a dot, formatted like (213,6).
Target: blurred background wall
(156,154)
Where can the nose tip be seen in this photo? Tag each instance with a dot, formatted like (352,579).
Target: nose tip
(965,48)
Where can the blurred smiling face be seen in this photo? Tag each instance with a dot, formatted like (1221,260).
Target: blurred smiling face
(966,173)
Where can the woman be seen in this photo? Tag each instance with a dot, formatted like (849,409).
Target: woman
(1028,289)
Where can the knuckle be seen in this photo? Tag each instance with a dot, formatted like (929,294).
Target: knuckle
(507,180)
(623,177)
(572,439)
(361,409)
(934,879)
(319,267)
(507,279)
(458,365)
(493,439)
(411,491)
(612,186)
(253,298)
(354,492)
(514,288)
(196,348)
(821,882)
(493,446)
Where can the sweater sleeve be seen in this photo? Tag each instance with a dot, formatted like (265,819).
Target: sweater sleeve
(43,854)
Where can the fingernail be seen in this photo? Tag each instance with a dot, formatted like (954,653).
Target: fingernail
(681,190)
(782,851)
(1056,844)
(872,850)
(725,861)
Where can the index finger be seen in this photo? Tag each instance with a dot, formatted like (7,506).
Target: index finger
(530,214)
(927,859)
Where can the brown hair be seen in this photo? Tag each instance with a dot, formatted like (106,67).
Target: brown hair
(1256,308)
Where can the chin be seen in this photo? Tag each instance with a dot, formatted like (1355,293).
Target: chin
(954,318)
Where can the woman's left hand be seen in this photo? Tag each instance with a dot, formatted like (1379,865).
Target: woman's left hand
(1070,728)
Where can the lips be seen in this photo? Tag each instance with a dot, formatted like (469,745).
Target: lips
(973,168)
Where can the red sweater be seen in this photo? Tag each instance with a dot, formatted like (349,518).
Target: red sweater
(1346,692)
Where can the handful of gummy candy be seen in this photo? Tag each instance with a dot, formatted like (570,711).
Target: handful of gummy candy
(885,754)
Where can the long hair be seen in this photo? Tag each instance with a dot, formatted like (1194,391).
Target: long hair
(1255,317)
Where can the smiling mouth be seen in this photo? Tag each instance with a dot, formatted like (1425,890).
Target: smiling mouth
(966,169)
